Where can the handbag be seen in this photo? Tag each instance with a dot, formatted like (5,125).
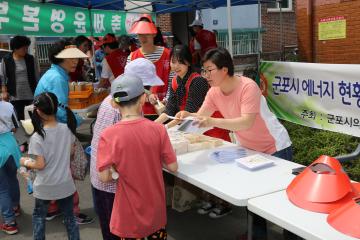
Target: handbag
(78,162)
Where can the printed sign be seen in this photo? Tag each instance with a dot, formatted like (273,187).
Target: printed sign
(332,28)
(324,96)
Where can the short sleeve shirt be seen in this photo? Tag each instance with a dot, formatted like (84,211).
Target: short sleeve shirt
(106,71)
(137,149)
(8,119)
(55,180)
(267,134)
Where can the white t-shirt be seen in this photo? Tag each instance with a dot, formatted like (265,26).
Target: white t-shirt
(106,71)
(197,45)
(8,119)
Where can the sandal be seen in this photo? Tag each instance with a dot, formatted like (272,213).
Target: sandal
(220,211)
(206,208)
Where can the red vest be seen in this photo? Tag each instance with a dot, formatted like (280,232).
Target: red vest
(162,66)
(117,61)
(207,41)
(216,132)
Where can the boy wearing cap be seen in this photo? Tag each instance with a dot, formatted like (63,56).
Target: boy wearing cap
(138,149)
(104,193)
(204,39)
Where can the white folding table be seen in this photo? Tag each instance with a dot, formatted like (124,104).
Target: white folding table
(230,182)
(276,208)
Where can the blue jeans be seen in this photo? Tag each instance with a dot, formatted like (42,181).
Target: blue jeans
(286,153)
(39,214)
(9,190)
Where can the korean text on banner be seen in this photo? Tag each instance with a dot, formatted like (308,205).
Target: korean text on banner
(45,19)
(323,96)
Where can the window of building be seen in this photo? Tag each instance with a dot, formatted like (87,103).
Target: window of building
(286,6)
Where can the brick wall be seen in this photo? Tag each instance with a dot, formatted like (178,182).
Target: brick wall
(164,22)
(271,23)
(329,51)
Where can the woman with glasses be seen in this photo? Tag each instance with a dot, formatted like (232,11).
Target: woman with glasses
(187,91)
(245,112)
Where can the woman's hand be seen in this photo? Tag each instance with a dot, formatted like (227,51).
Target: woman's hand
(182,114)
(204,121)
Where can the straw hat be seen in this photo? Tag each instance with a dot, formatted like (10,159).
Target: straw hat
(71,51)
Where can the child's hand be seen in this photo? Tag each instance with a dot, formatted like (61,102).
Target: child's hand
(22,161)
(153,98)
(24,172)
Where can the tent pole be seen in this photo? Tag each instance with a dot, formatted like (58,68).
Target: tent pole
(90,19)
(259,46)
(282,53)
(229,23)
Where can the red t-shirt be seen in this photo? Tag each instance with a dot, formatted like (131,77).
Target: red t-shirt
(137,149)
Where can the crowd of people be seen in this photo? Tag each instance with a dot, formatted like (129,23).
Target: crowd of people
(129,136)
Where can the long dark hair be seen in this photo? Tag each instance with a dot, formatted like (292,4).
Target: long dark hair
(48,104)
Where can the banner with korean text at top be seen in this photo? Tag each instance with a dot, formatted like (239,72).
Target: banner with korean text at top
(20,17)
(323,96)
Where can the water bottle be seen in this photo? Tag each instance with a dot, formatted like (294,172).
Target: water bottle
(29,184)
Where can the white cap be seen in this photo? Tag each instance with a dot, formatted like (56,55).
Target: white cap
(71,51)
(196,22)
(144,69)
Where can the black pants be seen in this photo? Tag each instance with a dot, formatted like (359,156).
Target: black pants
(19,106)
(103,204)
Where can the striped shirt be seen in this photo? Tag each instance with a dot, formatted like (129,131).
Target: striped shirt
(106,116)
(23,90)
(153,57)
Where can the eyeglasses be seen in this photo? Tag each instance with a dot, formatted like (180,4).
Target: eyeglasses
(206,72)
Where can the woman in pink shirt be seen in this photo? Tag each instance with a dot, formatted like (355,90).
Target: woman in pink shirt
(245,112)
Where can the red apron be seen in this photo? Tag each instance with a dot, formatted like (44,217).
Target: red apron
(215,132)
(207,41)
(162,66)
(117,61)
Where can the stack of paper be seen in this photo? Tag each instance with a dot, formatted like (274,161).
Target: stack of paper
(254,162)
(227,155)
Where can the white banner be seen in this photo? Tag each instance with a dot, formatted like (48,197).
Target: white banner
(324,96)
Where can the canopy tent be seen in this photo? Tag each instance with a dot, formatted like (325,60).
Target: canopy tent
(166,6)
(171,6)
(155,6)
